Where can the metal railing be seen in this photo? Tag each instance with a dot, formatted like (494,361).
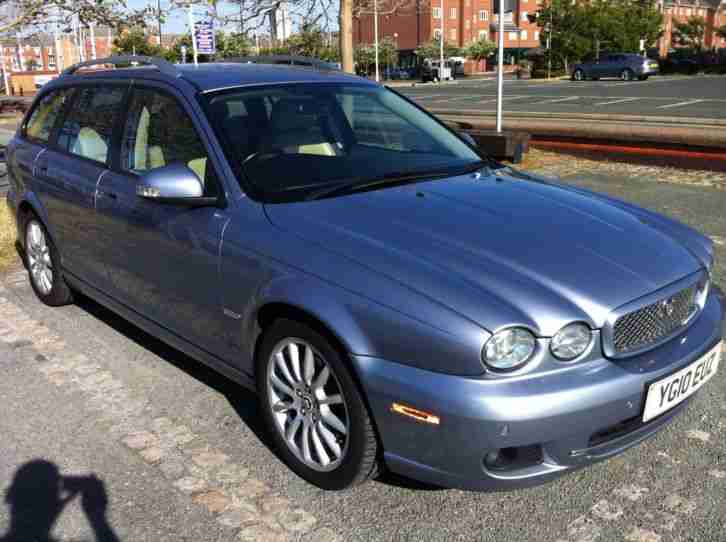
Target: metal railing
(165,67)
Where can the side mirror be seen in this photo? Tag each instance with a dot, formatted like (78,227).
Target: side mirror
(467,137)
(174,183)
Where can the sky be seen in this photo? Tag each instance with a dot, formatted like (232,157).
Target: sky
(177,23)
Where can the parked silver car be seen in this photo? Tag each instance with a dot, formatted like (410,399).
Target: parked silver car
(397,299)
(626,66)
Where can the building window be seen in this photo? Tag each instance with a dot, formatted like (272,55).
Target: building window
(436,12)
(483,15)
(483,35)
(51,61)
(524,34)
(536,35)
(467,2)
(512,36)
(524,17)
(452,14)
(467,24)
(452,34)
(688,11)
(539,2)
(16,61)
(437,34)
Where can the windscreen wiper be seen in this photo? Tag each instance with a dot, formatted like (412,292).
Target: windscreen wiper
(394,178)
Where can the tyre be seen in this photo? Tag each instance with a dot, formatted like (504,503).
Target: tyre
(642,78)
(578,75)
(627,74)
(313,409)
(43,263)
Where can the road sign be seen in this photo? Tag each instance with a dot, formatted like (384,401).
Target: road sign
(204,37)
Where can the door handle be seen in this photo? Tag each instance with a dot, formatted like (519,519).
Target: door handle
(109,195)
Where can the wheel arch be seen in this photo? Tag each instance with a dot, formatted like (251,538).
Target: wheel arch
(31,205)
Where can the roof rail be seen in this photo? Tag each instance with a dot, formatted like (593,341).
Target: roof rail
(165,67)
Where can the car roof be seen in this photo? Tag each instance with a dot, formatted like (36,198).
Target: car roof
(220,75)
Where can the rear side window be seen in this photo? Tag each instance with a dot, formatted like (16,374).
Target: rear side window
(159,132)
(88,127)
(41,121)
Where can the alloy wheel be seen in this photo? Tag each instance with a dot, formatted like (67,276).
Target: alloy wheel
(37,251)
(307,404)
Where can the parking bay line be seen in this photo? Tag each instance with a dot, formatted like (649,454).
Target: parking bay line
(557,100)
(620,101)
(680,104)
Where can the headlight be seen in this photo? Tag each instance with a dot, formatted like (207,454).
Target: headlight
(509,348)
(571,341)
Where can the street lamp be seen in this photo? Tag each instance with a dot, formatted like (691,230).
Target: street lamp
(441,42)
(375,37)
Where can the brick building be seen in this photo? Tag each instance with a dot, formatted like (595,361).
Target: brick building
(712,11)
(464,21)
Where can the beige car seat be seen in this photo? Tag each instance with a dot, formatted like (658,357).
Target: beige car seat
(90,145)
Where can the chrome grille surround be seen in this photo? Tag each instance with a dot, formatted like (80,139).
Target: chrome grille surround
(651,320)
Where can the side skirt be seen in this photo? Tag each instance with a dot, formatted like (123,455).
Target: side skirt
(161,333)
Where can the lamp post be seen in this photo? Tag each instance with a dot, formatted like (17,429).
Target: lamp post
(375,37)
(549,45)
(441,44)
(500,68)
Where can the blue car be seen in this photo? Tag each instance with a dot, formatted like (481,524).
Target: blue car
(397,300)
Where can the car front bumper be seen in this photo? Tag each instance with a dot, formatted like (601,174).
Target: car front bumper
(574,417)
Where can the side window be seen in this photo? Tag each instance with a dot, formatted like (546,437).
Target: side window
(159,132)
(88,128)
(374,125)
(41,121)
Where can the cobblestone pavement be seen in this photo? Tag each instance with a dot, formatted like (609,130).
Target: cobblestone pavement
(182,456)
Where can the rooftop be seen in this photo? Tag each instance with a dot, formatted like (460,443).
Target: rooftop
(218,75)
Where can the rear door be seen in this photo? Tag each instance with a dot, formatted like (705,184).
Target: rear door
(164,257)
(69,172)
(35,136)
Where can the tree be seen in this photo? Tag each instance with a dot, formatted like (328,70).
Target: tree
(583,29)
(311,41)
(721,31)
(690,33)
(480,50)
(365,58)
(135,41)
(27,14)
(233,44)
(432,49)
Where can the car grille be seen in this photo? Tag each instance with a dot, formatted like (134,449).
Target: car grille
(650,324)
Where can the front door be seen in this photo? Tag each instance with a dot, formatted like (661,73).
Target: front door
(163,259)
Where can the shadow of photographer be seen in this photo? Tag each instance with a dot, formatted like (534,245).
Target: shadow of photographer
(39,494)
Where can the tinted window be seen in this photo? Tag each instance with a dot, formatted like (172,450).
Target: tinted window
(159,132)
(42,119)
(88,127)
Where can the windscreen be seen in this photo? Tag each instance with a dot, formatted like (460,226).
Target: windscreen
(285,141)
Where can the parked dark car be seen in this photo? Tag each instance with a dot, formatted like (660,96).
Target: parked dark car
(397,299)
(626,66)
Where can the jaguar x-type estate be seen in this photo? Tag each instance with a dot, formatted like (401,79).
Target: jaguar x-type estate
(397,299)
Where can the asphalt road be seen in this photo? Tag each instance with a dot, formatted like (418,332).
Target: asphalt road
(662,96)
(177,451)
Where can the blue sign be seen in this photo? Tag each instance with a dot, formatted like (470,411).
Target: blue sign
(204,37)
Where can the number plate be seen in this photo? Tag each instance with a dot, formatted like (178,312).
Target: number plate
(667,392)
